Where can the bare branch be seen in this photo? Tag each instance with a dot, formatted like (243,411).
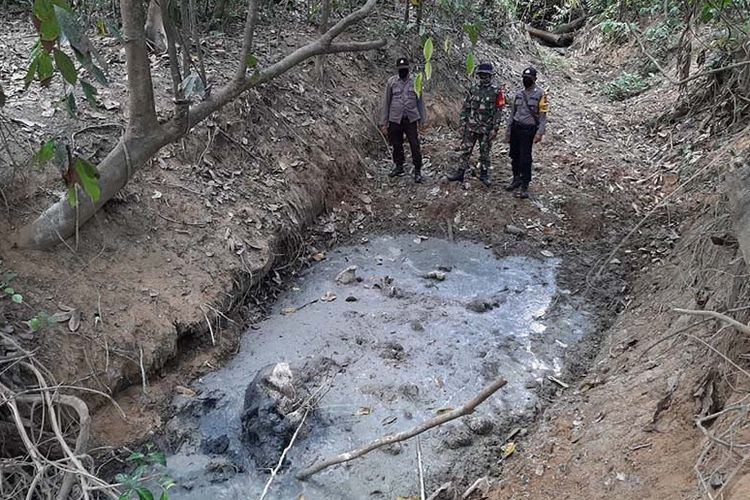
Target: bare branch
(466,409)
(717,315)
(247,39)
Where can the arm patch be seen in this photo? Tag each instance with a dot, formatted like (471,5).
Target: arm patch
(543,104)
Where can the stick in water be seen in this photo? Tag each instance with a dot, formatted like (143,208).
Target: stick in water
(466,409)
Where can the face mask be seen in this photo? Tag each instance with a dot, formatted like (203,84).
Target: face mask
(484,79)
(528,82)
(403,73)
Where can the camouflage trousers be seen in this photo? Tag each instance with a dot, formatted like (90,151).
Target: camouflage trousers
(467,146)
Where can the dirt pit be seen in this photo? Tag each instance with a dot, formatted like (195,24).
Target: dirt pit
(421,325)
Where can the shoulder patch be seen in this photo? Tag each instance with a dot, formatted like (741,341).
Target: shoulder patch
(543,104)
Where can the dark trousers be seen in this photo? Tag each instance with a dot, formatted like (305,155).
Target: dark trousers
(521,142)
(396,132)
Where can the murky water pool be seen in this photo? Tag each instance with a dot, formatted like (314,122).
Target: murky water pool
(405,346)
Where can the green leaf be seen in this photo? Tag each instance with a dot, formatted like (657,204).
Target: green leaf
(36,324)
(98,74)
(472,30)
(17,298)
(45,70)
(144,494)
(9,291)
(31,72)
(73,31)
(66,66)
(101,27)
(89,177)
(90,92)
(73,198)
(428,70)
(136,457)
(418,83)
(124,496)
(70,104)
(251,60)
(164,496)
(428,50)
(63,5)
(49,28)
(45,153)
(157,457)
(471,63)
(447,45)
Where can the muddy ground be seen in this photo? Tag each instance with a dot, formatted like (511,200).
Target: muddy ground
(198,246)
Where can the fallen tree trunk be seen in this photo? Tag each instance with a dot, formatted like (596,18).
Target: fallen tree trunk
(572,26)
(561,40)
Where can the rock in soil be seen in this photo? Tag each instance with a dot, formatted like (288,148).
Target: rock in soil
(268,417)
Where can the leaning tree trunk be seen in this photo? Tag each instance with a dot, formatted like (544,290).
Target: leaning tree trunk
(144,136)
(572,26)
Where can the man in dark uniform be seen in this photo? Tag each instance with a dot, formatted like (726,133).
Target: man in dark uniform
(481,117)
(527,125)
(403,113)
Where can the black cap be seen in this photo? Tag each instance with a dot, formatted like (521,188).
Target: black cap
(485,68)
(530,72)
(402,62)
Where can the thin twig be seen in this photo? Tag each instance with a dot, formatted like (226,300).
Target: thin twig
(717,315)
(402,436)
(422,495)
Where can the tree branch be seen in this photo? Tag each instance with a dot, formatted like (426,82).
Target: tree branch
(466,409)
(247,39)
(716,315)
(142,141)
(142,118)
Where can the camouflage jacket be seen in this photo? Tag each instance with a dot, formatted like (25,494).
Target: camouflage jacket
(483,109)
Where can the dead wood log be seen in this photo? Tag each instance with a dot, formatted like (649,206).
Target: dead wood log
(466,409)
(556,40)
(572,26)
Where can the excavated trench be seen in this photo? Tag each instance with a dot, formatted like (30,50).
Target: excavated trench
(421,325)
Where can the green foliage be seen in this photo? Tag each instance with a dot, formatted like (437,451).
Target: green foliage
(78,170)
(472,30)
(7,290)
(6,280)
(625,86)
(133,484)
(422,76)
(615,31)
(55,21)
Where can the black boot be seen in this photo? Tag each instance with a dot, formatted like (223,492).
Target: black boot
(456,176)
(516,183)
(418,176)
(397,171)
(523,192)
(484,177)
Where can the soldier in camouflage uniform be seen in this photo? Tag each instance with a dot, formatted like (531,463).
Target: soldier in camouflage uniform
(481,117)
